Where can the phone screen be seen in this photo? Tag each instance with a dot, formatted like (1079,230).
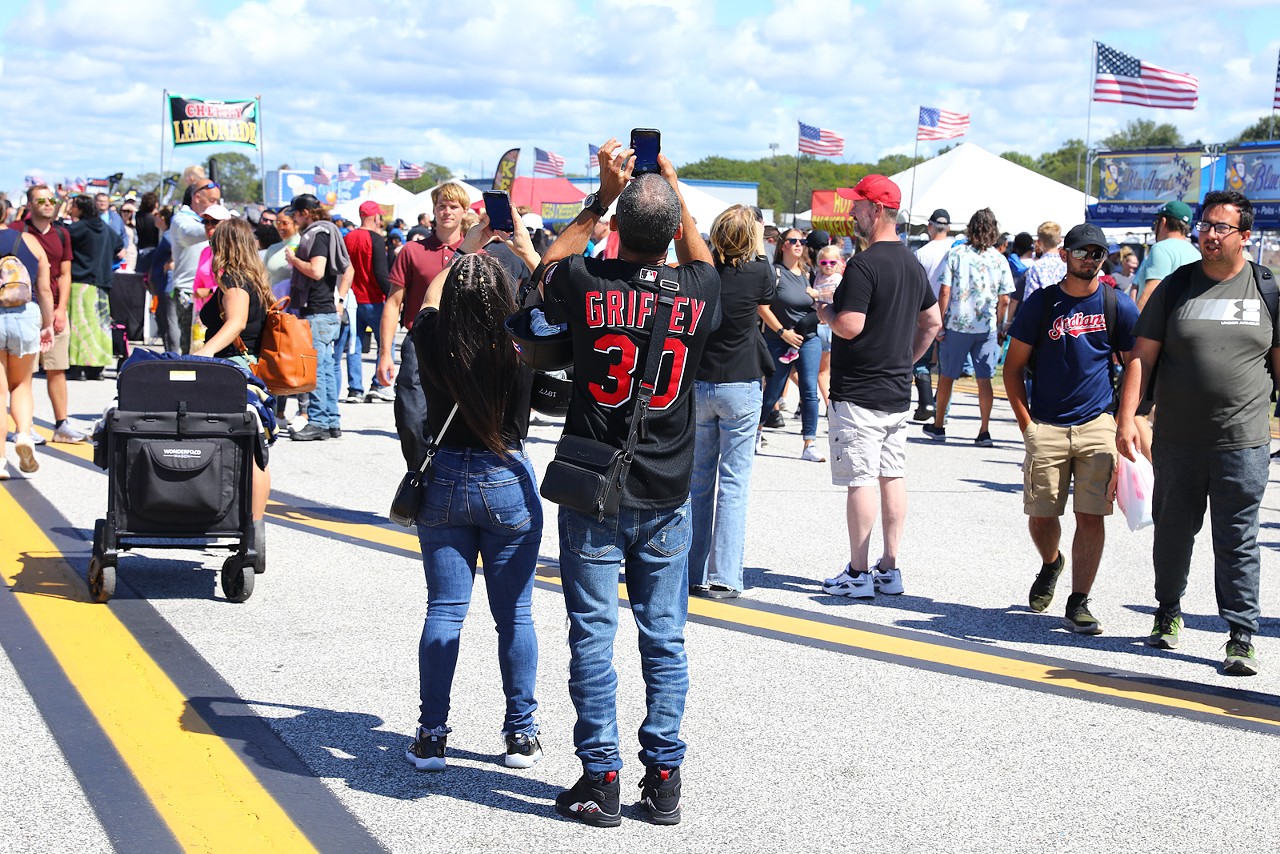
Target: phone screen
(646,142)
(498,206)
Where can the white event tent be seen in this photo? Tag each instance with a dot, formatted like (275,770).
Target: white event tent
(968,178)
(391,196)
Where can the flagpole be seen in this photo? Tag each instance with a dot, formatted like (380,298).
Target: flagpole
(1088,130)
(795,193)
(262,154)
(915,161)
(164,120)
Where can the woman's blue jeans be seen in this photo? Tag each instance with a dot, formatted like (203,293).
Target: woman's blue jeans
(806,372)
(723,453)
(480,505)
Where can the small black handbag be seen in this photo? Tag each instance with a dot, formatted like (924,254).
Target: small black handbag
(408,498)
(589,476)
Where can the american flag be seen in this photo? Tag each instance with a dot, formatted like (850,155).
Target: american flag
(346,172)
(820,141)
(1275,105)
(321,177)
(1123,79)
(941,124)
(593,152)
(409,171)
(547,162)
(383,172)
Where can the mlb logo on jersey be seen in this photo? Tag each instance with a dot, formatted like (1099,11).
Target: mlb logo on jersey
(648,275)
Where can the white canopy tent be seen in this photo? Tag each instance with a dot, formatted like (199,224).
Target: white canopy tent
(968,178)
(422,201)
(704,206)
(391,196)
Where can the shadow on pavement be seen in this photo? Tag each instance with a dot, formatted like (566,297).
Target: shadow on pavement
(350,746)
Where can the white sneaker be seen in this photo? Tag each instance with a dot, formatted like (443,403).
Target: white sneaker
(36,438)
(68,435)
(812,454)
(4,468)
(888,581)
(381,394)
(855,586)
(760,441)
(26,451)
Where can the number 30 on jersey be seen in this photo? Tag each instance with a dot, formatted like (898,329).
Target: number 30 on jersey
(620,382)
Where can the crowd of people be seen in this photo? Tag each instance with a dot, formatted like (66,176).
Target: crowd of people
(756,309)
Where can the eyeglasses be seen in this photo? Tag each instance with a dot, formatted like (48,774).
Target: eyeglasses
(1219,228)
(795,241)
(1091,254)
(828,263)
(43,201)
(210,223)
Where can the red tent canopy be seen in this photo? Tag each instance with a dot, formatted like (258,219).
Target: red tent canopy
(553,199)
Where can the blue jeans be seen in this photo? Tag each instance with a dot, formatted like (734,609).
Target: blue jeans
(351,361)
(1232,484)
(651,547)
(480,505)
(368,316)
(724,445)
(807,373)
(322,404)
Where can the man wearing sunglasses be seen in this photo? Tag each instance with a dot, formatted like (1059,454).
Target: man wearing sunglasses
(1212,327)
(1067,425)
(187,234)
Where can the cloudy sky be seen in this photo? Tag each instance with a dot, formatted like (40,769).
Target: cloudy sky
(81,81)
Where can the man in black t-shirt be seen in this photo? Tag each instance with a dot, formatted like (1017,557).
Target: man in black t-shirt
(883,319)
(610,305)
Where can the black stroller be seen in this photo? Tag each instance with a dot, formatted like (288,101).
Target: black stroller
(178,449)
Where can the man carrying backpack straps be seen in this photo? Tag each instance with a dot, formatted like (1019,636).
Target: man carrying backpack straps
(1211,325)
(1070,331)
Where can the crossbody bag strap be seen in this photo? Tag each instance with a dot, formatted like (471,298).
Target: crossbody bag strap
(668,289)
(435,443)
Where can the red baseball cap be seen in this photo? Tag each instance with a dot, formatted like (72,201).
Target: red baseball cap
(875,188)
(370,208)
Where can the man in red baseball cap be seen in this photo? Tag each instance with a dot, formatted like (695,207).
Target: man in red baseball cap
(368,250)
(883,317)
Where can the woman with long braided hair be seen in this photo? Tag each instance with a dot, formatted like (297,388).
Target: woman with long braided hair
(482,501)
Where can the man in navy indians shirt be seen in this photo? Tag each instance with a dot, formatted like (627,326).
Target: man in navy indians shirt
(1068,428)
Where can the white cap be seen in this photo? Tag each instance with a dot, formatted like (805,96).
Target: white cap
(217,212)
(531,221)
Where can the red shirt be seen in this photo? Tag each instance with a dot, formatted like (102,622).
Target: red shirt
(418,263)
(57,245)
(360,248)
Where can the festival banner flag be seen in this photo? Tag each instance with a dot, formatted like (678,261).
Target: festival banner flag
(384,172)
(409,171)
(1275,102)
(1255,171)
(346,172)
(548,163)
(200,121)
(593,157)
(98,183)
(1124,79)
(321,178)
(941,124)
(1133,185)
(505,175)
(816,140)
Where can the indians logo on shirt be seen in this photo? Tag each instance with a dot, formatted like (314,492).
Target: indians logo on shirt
(1077,324)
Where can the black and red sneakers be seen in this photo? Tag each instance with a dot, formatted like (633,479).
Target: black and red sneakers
(592,801)
(660,795)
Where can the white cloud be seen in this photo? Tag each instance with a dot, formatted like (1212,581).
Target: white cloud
(459,83)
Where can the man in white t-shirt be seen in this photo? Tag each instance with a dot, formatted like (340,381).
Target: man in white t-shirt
(931,256)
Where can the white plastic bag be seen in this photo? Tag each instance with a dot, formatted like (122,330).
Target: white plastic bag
(1133,491)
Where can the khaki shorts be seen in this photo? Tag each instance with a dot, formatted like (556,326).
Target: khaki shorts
(866,444)
(59,357)
(1058,456)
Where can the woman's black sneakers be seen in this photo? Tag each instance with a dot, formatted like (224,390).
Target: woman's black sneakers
(660,794)
(426,752)
(523,750)
(592,801)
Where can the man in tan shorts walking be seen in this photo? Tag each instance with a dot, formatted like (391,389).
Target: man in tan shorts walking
(1070,331)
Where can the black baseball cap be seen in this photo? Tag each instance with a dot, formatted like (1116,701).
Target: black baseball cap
(940,217)
(1085,234)
(304,202)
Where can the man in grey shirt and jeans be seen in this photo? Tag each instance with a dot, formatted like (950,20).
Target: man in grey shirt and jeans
(1213,334)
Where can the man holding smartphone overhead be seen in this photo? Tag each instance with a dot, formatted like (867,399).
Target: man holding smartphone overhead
(607,303)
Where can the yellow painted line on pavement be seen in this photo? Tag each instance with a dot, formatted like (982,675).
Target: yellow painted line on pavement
(205,793)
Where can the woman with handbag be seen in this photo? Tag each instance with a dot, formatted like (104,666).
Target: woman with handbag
(481,500)
(728,394)
(233,318)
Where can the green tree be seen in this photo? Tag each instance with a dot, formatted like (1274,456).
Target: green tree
(238,176)
(1026,161)
(368,164)
(1263,130)
(1066,165)
(1144,133)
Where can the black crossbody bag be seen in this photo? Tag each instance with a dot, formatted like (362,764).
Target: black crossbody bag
(404,507)
(589,476)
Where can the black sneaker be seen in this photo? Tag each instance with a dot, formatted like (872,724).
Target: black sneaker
(924,413)
(310,433)
(1041,594)
(984,440)
(591,801)
(1241,659)
(523,750)
(1078,618)
(335,432)
(426,752)
(938,434)
(775,421)
(660,794)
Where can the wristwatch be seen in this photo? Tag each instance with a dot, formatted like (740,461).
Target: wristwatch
(592,203)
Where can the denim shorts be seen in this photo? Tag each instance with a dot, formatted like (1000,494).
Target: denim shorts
(824,335)
(956,346)
(20,329)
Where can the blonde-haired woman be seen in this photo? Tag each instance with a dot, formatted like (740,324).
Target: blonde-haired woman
(233,319)
(728,394)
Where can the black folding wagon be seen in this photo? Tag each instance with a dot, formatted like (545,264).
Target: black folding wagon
(179,450)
